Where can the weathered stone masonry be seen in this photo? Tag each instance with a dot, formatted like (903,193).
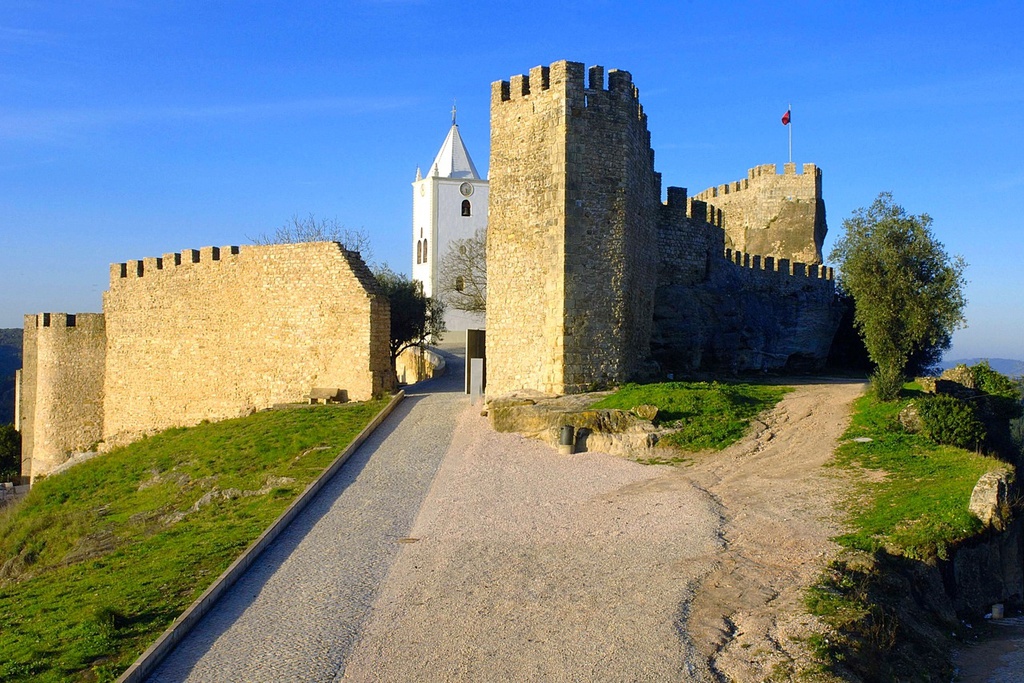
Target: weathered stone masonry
(774,214)
(61,387)
(571,230)
(591,278)
(204,334)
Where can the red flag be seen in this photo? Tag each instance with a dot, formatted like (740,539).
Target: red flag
(785,118)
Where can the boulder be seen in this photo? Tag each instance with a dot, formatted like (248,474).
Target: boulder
(990,498)
(910,419)
(617,432)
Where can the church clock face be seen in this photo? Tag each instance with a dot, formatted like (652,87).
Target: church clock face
(466,189)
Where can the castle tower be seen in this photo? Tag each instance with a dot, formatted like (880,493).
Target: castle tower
(781,215)
(450,203)
(61,394)
(572,242)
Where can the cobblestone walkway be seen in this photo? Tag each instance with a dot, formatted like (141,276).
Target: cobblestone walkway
(296,614)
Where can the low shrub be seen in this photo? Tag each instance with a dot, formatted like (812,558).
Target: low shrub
(951,422)
(887,383)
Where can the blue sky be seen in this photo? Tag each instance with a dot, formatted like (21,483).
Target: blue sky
(131,129)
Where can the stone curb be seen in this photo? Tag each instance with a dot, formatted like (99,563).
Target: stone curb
(155,653)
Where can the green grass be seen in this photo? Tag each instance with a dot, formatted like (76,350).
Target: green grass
(95,563)
(917,504)
(912,507)
(703,415)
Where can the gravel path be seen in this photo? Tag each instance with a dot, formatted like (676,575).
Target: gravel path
(531,566)
(295,615)
(459,554)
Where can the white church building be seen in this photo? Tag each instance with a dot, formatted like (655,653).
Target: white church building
(450,203)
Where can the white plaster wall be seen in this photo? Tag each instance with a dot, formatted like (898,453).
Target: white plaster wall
(437,215)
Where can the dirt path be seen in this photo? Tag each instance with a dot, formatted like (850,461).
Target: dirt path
(778,514)
(527,565)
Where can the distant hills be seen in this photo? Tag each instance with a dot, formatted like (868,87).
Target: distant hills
(1007,366)
(10,360)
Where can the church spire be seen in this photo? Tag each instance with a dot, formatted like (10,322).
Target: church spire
(453,160)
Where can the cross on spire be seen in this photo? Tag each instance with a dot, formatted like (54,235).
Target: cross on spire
(453,112)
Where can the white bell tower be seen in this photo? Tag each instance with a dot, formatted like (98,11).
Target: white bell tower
(450,203)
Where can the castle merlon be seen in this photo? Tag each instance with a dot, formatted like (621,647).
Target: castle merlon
(137,268)
(64,320)
(570,76)
(810,173)
(782,266)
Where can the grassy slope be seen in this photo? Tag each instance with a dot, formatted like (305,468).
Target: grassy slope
(98,561)
(705,415)
(913,508)
(921,505)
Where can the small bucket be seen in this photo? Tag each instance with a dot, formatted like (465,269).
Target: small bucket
(566,441)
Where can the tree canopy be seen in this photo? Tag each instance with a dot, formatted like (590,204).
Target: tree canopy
(415,318)
(10,452)
(907,291)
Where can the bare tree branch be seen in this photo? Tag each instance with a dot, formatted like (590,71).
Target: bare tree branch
(462,274)
(313,229)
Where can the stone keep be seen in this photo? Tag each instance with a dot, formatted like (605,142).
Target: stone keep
(781,215)
(571,242)
(593,281)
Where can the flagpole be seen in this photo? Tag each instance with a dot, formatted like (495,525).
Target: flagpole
(790,126)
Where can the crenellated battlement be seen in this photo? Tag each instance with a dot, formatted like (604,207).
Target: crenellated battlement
(782,266)
(152,265)
(65,320)
(584,87)
(773,213)
(759,176)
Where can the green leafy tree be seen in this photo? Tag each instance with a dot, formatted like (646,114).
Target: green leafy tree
(10,452)
(907,291)
(415,317)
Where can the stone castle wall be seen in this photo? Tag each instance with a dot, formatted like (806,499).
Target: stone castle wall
(61,388)
(590,277)
(525,232)
(688,239)
(220,332)
(726,310)
(201,334)
(571,230)
(775,214)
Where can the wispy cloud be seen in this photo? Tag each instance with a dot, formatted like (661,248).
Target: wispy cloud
(63,124)
(10,35)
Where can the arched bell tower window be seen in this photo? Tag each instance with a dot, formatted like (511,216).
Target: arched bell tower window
(425,251)
(460,284)
(467,209)
(419,251)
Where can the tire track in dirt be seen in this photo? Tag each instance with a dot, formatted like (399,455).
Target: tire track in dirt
(778,508)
